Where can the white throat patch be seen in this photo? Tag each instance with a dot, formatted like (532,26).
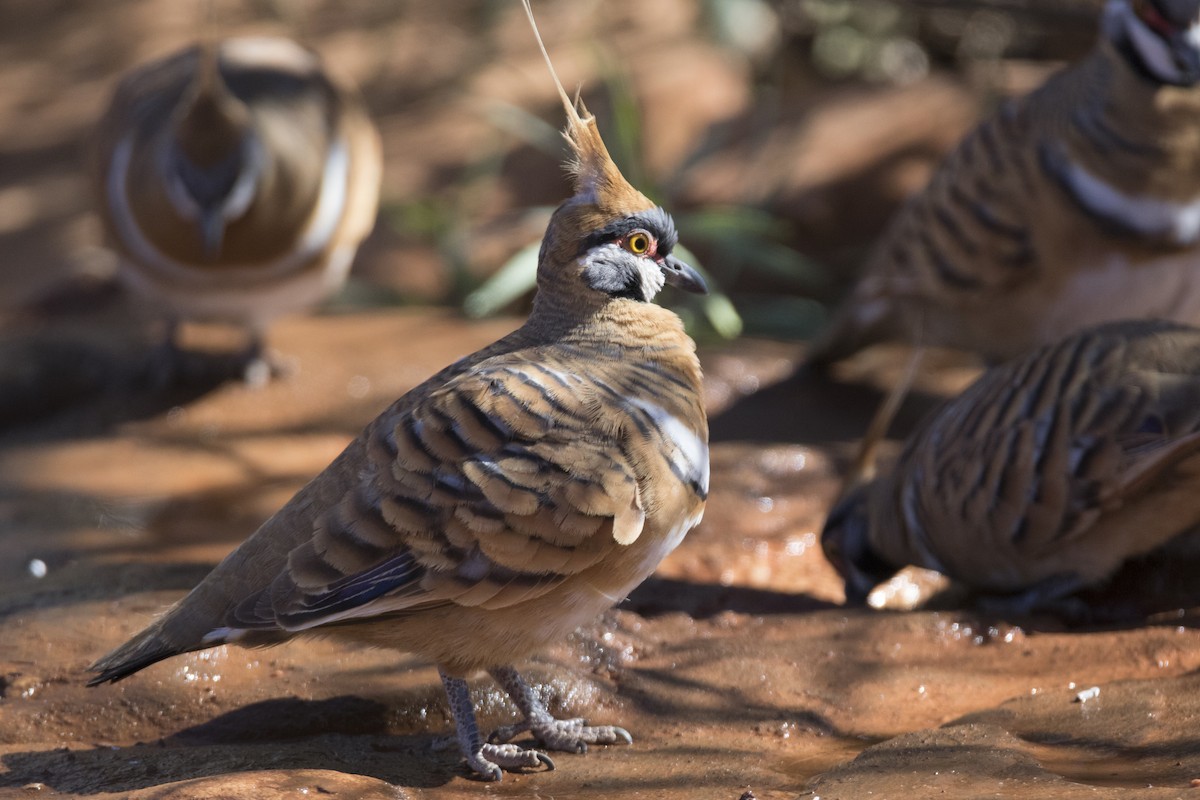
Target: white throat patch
(653,278)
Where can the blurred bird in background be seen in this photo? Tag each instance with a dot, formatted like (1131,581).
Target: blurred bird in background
(511,497)
(1075,205)
(1044,476)
(236,180)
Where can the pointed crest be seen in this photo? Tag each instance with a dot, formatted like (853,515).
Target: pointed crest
(208,70)
(211,121)
(597,179)
(209,42)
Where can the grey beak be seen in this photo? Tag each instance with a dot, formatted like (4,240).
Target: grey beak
(681,276)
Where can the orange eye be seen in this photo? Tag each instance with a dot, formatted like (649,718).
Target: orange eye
(638,243)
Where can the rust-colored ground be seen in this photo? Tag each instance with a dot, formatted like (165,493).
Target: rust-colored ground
(736,668)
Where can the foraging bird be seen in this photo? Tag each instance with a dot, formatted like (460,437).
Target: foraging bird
(1044,476)
(236,180)
(509,498)
(1075,205)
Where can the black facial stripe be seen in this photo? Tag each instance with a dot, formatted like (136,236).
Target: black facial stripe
(656,221)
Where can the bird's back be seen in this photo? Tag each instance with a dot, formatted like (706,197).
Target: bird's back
(1031,228)
(1067,461)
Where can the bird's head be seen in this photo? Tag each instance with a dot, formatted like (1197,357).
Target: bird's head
(1162,36)
(211,160)
(608,237)
(847,544)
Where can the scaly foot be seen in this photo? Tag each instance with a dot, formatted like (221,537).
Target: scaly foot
(488,761)
(570,735)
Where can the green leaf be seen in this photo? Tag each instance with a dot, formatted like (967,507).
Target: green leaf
(750,237)
(721,314)
(718,308)
(722,221)
(515,279)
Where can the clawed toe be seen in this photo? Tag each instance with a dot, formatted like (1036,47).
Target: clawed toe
(573,736)
(492,759)
(566,735)
(618,734)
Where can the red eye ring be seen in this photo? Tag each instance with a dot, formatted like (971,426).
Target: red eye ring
(1152,17)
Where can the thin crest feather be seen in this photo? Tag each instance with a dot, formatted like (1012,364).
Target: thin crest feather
(596,176)
(574,120)
(208,71)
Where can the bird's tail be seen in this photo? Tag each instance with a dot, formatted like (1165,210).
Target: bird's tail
(148,647)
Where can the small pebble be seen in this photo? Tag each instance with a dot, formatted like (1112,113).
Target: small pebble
(907,590)
(1088,694)
(257,374)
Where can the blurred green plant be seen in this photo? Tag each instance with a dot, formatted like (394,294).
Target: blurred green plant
(872,40)
(750,27)
(443,218)
(761,285)
(737,240)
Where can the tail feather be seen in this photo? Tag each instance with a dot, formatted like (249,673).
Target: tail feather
(118,664)
(148,647)
(205,618)
(151,646)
